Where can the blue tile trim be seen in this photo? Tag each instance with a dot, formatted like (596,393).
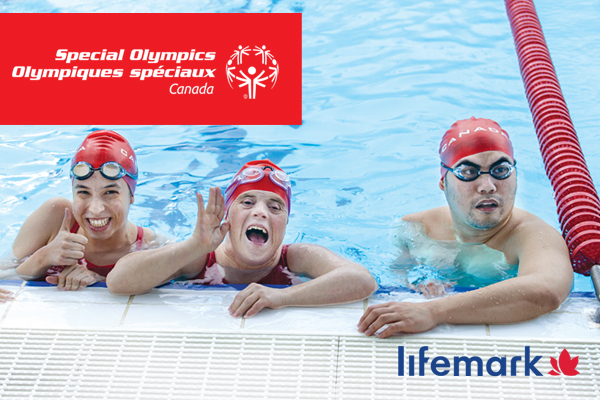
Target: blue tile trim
(44,283)
(191,286)
(11,282)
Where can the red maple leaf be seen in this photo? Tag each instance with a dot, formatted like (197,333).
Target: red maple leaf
(556,370)
(566,363)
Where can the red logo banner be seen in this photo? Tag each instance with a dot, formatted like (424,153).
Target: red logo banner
(157,69)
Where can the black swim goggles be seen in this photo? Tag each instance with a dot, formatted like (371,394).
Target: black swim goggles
(110,170)
(468,172)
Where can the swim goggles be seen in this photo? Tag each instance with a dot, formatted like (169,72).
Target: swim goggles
(255,174)
(468,173)
(110,170)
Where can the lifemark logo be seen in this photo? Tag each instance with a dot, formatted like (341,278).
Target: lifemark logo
(247,70)
(495,366)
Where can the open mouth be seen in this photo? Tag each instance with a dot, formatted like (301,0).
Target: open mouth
(99,222)
(487,205)
(257,234)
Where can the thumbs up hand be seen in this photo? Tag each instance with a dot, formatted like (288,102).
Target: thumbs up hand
(66,248)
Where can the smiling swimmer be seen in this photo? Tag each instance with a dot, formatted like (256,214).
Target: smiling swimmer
(73,244)
(256,208)
(479,182)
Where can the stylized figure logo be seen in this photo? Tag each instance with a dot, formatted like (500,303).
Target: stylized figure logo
(251,71)
(566,363)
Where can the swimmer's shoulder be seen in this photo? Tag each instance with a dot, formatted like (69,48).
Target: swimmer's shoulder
(54,212)
(434,222)
(149,235)
(55,207)
(297,251)
(42,226)
(153,239)
(530,238)
(312,259)
(297,254)
(525,224)
(428,217)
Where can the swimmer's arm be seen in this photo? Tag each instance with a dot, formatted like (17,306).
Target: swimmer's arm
(141,271)
(544,281)
(37,231)
(336,280)
(429,287)
(412,225)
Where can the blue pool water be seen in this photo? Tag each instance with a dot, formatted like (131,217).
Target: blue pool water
(382,80)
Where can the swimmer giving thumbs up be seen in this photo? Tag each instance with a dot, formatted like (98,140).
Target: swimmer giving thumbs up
(66,248)
(63,250)
(45,240)
(79,241)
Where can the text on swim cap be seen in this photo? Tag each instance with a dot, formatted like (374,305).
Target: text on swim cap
(468,131)
(124,152)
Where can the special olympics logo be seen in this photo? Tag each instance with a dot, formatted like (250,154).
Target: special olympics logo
(251,71)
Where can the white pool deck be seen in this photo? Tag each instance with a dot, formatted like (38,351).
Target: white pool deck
(178,343)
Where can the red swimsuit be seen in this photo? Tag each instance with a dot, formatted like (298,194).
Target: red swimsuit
(103,270)
(279,275)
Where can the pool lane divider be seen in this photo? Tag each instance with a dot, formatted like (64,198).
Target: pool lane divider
(576,197)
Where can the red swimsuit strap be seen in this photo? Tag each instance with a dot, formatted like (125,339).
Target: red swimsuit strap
(283,259)
(139,241)
(211,258)
(75,227)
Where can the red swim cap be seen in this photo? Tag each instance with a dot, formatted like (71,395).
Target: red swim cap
(472,136)
(249,178)
(100,147)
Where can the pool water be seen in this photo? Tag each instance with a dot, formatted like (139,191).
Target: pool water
(460,264)
(382,80)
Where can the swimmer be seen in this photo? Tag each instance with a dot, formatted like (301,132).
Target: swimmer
(74,244)
(479,180)
(256,208)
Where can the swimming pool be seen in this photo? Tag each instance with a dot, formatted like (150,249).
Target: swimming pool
(381,82)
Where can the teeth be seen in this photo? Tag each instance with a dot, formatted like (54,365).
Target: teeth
(258,228)
(98,223)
